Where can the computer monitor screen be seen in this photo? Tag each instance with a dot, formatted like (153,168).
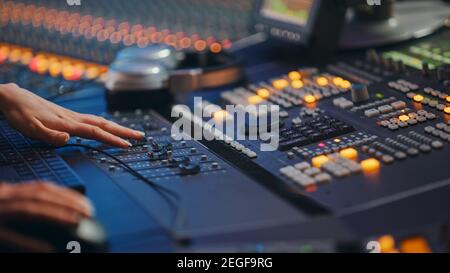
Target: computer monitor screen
(289,11)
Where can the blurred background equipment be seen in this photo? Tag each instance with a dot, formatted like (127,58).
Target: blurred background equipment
(364,134)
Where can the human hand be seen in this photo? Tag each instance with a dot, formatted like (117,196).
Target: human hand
(37,202)
(42,120)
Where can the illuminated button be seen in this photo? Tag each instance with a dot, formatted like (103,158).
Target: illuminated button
(55,69)
(349,153)
(387,243)
(448,99)
(309,99)
(447,110)
(346,84)
(318,161)
(15,55)
(297,84)
(254,99)
(403,118)
(294,76)
(322,81)
(415,245)
(280,84)
(42,66)
(220,115)
(26,58)
(418,98)
(92,72)
(263,93)
(370,165)
(338,81)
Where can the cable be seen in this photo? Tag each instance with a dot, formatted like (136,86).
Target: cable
(179,218)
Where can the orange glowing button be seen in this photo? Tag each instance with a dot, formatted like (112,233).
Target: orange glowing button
(309,99)
(346,84)
(42,66)
(403,118)
(415,245)
(55,69)
(448,99)
(263,93)
(349,153)
(92,72)
(370,165)
(318,161)
(297,84)
(338,81)
(280,84)
(254,99)
(447,110)
(26,58)
(387,243)
(294,76)
(322,81)
(68,72)
(418,98)
(15,55)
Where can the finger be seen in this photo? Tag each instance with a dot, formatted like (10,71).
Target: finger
(112,127)
(52,194)
(40,132)
(13,241)
(96,133)
(25,210)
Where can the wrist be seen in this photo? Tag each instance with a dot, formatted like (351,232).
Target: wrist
(7,92)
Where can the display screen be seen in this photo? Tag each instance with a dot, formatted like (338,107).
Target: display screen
(288,11)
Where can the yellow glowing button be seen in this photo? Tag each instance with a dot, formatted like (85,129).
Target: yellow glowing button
(338,81)
(55,69)
(370,165)
(349,153)
(318,161)
(322,81)
(294,76)
(337,140)
(418,98)
(254,99)
(447,110)
(346,84)
(309,99)
(220,115)
(403,118)
(297,84)
(68,71)
(448,99)
(387,243)
(263,93)
(92,72)
(15,55)
(26,58)
(42,66)
(415,245)
(280,84)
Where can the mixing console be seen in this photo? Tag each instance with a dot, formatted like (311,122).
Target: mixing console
(363,139)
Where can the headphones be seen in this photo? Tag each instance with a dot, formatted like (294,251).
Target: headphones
(160,67)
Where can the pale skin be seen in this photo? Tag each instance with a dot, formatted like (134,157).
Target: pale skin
(42,120)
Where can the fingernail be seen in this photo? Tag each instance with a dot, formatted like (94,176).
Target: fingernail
(66,138)
(128,143)
(91,208)
(141,133)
